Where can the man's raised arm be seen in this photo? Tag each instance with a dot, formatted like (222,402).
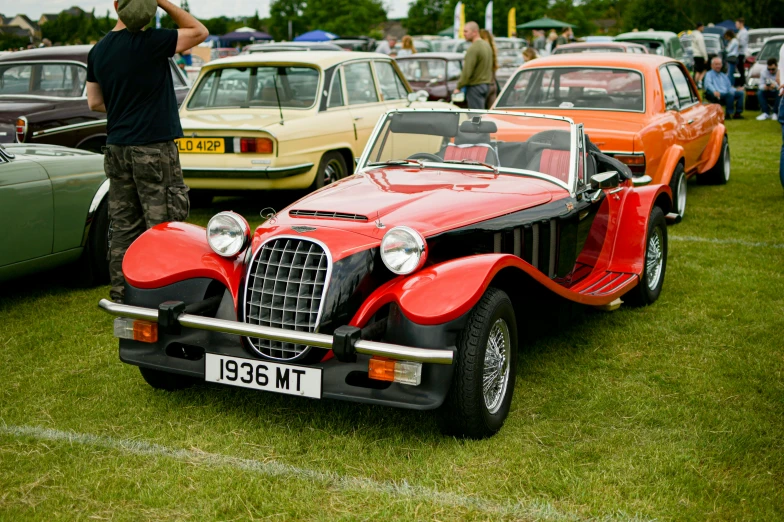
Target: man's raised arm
(191,31)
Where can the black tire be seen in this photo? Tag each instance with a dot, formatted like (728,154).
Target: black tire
(679,190)
(166,381)
(200,198)
(647,291)
(719,174)
(95,260)
(331,169)
(465,412)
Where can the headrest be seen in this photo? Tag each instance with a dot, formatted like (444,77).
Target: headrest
(441,124)
(553,139)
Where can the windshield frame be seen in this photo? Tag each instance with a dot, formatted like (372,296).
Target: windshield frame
(570,186)
(83,96)
(215,70)
(510,85)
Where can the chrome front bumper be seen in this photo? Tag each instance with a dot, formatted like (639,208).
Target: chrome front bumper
(244,173)
(391,351)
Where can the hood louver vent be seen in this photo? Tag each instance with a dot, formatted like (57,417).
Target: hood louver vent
(327,215)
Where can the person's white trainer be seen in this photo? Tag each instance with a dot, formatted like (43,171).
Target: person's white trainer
(762,117)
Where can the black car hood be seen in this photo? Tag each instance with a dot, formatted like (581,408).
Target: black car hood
(12,108)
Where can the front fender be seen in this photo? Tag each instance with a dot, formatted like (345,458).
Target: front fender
(172,252)
(668,163)
(444,292)
(713,150)
(628,253)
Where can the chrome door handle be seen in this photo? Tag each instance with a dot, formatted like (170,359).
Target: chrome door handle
(689,122)
(357,118)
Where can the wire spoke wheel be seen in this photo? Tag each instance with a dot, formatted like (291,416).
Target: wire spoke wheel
(654,258)
(495,375)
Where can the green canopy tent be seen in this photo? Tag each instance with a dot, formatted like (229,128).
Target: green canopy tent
(449,31)
(544,23)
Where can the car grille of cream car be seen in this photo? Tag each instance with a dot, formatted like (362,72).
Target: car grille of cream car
(286,284)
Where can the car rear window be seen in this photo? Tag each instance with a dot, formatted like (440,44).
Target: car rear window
(422,70)
(576,88)
(598,49)
(770,50)
(43,79)
(264,86)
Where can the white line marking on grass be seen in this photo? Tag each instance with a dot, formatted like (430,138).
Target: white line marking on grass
(718,241)
(535,509)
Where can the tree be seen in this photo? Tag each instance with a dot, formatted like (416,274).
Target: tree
(281,13)
(424,17)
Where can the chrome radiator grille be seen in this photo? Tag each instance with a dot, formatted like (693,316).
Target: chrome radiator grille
(287,280)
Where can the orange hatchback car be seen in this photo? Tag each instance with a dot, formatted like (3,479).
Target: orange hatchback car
(642,109)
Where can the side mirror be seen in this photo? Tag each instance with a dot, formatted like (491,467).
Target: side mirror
(422,95)
(605,180)
(412,97)
(458,97)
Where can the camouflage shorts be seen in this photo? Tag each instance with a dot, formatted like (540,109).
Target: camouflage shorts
(146,188)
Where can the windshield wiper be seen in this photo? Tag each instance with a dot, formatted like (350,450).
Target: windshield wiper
(396,162)
(472,162)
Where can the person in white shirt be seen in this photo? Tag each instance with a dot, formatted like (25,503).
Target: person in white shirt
(386,46)
(743,48)
(768,93)
(700,53)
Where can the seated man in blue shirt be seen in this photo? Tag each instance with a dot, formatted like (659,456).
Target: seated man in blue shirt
(719,89)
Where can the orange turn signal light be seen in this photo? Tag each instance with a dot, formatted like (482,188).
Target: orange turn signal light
(145,332)
(381,369)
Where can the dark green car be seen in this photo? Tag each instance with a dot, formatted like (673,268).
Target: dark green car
(53,210)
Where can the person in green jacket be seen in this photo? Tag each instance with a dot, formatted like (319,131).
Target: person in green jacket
(477,72)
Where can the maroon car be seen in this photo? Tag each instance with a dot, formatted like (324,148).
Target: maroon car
(436,73)
(43,98)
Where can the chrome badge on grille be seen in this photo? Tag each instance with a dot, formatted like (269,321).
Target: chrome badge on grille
(302,228)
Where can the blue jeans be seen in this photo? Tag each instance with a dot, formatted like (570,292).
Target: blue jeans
(731,72)
(732,101)
(765,97)
(781,163)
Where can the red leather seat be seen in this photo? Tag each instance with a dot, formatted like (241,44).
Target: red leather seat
(555,163)
(475,152)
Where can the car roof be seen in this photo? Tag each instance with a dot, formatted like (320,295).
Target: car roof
(599,44)
(647,35)
(443,56)
(322,59)
(67,52)
(639,62)
(775,38)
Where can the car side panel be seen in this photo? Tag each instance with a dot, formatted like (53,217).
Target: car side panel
(74,183)
(669,160)
(713,149)
(26,211)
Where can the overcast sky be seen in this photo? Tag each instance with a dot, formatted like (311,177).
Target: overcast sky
(200,8)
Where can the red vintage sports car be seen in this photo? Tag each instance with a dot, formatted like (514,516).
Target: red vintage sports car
(642,109)
(404,284)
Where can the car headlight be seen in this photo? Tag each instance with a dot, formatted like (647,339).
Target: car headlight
(228,234)
(403,250)
(752,82)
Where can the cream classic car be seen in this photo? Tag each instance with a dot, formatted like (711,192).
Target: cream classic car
(287,120)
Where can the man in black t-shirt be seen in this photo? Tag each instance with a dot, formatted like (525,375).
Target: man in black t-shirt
(129,78)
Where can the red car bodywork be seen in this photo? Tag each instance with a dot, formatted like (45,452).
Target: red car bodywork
(691,135)
(432,201)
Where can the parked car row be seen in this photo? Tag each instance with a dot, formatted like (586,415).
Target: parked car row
(378,286)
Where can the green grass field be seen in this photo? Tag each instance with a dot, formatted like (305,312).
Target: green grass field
(672,412)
